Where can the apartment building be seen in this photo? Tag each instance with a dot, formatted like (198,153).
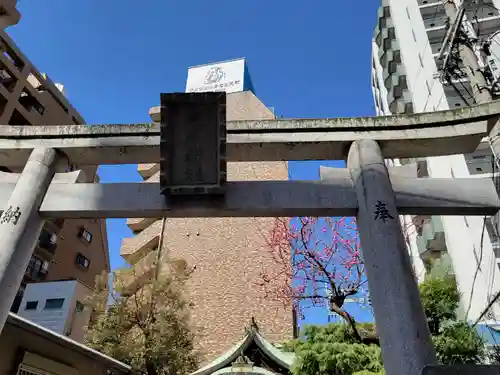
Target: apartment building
(228,253)
(406,78)
(66,248)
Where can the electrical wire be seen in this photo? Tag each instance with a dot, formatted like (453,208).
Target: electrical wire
(493,264)
(487,308)
(478,267)
(444,80)
(452,84)
(494,169)
(447,77)
(433,18)
(471,96)
(491,301)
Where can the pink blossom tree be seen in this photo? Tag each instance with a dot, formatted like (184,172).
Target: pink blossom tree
(317,261)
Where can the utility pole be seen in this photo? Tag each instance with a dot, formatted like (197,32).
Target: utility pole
(480,89)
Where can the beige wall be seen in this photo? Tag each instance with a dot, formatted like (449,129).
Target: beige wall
(70,244)
(18,346)
(229,255)
(78,320)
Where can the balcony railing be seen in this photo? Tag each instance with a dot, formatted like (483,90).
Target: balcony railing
(36,272)
(46,241)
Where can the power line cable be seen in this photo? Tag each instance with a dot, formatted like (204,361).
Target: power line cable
(478,267)
(433,18)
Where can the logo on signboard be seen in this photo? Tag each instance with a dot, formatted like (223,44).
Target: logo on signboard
(214,75)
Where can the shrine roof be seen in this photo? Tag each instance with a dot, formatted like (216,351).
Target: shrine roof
(220,364)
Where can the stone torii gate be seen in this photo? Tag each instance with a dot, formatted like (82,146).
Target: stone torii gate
(193,144)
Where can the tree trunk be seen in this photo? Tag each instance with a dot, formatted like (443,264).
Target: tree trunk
(151,368)
(367,337)
(348,318)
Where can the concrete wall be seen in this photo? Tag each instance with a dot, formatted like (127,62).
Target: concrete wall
(229,255)
(78,320)
(53,319)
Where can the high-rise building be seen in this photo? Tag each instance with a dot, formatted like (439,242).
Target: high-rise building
(228,253)
(407,78)
(66,249)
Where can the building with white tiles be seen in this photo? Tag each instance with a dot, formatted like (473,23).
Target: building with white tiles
(406,78)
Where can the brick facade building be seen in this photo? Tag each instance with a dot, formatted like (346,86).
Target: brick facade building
(229,253)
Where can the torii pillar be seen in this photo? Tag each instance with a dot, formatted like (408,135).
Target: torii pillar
(404,336)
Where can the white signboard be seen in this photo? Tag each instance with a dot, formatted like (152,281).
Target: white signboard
(224,76)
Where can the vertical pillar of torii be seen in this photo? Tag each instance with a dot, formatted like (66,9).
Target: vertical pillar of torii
(21,224)
(404,336)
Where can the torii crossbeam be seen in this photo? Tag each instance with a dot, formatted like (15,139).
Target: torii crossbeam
(366,188)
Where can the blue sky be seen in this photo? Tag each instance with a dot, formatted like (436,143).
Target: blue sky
(307,59)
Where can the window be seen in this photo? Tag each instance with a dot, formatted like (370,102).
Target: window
(31,305)
(79,306)
(428,87)
(82,261)
(408,13)
(414,37)
(86,235)
(421,61)
(54,303)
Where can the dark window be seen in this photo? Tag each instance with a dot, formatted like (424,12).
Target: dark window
(54,303)
(82,261)
(86,235)
(30,103)
(18,119)
(79,306)
(31,305)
